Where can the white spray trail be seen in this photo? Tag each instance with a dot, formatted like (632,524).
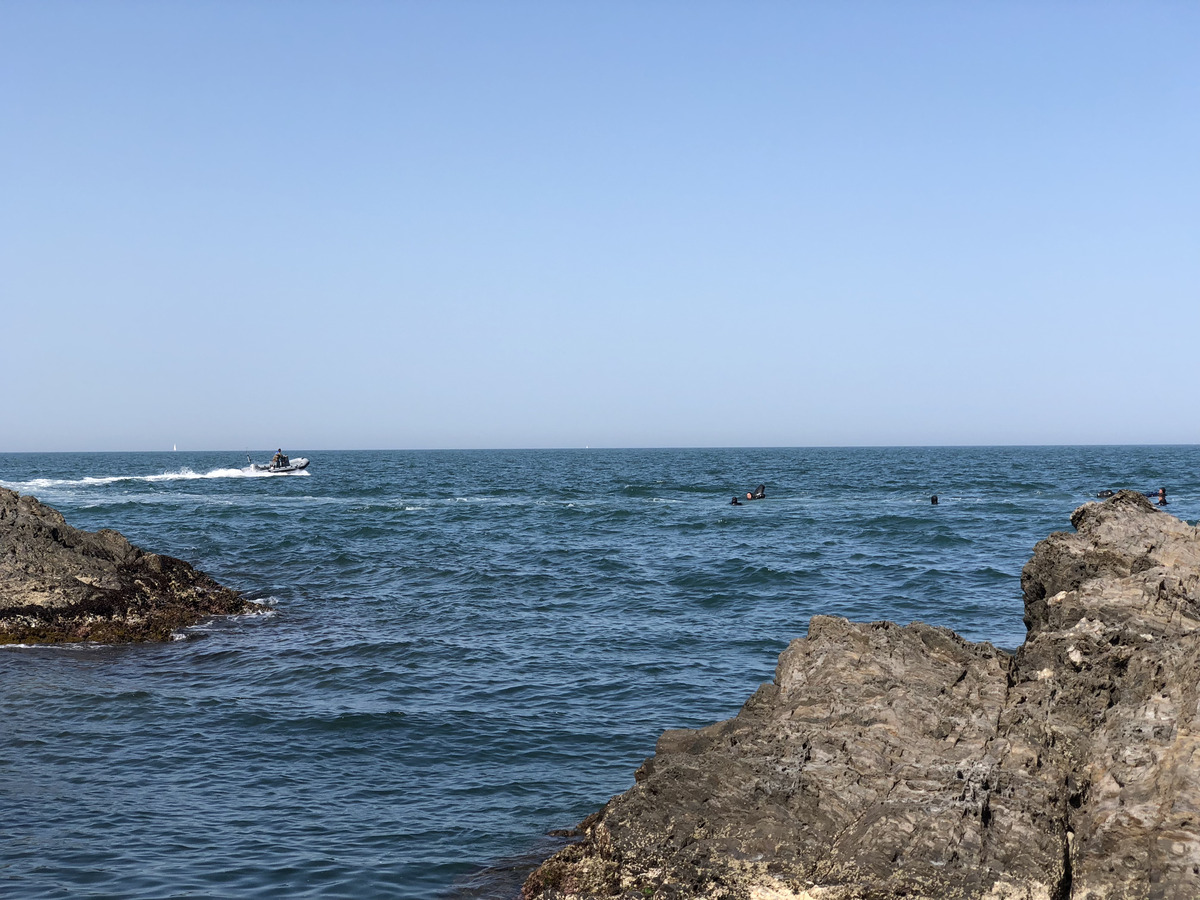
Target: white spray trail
(184,474)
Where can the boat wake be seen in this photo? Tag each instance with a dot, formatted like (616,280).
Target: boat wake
(184,474)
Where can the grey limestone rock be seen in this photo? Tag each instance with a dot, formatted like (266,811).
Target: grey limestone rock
(60,584)
(890,762)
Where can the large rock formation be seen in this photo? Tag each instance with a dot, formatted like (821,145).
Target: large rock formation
(58,583)
(888,762)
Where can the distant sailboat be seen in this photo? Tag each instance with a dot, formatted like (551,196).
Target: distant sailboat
(175,447)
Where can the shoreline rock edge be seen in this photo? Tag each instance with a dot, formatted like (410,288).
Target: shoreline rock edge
(59,584)
(889,761)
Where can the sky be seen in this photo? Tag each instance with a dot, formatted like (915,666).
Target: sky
(469,223)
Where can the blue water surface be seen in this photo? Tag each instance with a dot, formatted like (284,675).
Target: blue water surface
(468,650)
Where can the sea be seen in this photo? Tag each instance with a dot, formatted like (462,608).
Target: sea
(463,653)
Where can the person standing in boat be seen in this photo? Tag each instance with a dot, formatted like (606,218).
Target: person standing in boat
(279,459)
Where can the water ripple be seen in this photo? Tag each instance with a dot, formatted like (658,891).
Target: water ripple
(470,649)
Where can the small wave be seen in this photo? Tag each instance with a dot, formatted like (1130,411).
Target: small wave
(62,647)
(265,609)
(184,474)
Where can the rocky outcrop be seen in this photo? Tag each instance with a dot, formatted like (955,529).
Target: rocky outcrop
(888,761)
(60,584)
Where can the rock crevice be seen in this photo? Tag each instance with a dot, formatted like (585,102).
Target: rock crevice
(888,761)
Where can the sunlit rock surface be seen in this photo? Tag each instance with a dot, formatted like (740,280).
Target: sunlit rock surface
(888,761)
(59,584)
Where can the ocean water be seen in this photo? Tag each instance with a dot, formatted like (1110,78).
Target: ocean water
(468,650)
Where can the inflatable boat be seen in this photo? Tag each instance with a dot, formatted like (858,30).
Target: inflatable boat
(288,465)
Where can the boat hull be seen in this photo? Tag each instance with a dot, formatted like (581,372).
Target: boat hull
(295,465)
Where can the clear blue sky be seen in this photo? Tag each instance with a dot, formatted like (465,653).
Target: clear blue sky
(510,224)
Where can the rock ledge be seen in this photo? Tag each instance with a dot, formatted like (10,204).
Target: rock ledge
(59,584)
(904,762)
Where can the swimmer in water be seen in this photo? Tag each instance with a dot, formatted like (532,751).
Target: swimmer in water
(735,501)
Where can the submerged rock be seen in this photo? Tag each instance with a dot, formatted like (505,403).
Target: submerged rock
(60,584)
(887,761)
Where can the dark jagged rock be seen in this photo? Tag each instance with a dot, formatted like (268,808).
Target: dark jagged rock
(59,584)
(890,762)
